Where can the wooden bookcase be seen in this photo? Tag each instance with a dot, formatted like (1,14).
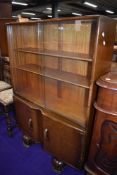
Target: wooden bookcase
(54,65)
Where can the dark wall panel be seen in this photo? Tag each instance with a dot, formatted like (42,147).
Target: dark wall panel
(5,9)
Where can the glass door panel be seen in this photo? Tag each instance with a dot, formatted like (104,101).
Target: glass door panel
(27,64)
(76,38)
(67,99)
(67,84)
(29,76)
(67,68)
(26,37)
(77,67)
(30,86)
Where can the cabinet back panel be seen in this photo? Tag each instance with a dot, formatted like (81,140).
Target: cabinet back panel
(71,37)
(76,36)
(27,58)
(26,36)
(76,67)
(67,65)
(51,35)
(51,62)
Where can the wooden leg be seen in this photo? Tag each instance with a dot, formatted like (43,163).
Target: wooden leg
(8,122)
(58,166)
(27,142)
(86,173)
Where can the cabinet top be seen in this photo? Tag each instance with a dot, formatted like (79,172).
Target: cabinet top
(88,17)
(108,81)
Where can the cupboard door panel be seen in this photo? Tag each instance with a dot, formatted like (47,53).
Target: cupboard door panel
(29,119)
(102,157)
(103,150)
(63,140)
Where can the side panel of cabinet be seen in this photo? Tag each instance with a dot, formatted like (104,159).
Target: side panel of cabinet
(103,151)
(29,119)
(3,35)
(63,140)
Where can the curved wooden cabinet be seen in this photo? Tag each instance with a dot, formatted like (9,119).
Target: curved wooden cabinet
(103,151)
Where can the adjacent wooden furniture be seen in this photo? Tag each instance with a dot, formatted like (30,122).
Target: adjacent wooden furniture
(103,150)
(114,59)
(4,86)
(5,9)
(6,105)
(5,70)
(4,63)
(116,33)
(6,101)
(0,68)
(54,65)
(3,36)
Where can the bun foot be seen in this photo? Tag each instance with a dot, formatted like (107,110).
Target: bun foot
(58,166)
(27,142)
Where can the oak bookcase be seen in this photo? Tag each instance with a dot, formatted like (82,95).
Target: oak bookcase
(54,65)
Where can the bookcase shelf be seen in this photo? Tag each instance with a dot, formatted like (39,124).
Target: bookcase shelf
(27,95)
(74,79)
(59,54)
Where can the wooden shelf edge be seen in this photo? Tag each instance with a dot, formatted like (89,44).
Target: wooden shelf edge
(54,55)
(51,73)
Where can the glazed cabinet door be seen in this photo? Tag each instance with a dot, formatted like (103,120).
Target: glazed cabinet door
(29,119)
(67,67)
(26,61)
(63,140)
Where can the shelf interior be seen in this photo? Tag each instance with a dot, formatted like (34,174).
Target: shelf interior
(53,53)
(67,77)
(53,64)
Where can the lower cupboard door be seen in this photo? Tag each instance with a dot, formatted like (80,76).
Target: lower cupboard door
(29,119)
(63,141)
